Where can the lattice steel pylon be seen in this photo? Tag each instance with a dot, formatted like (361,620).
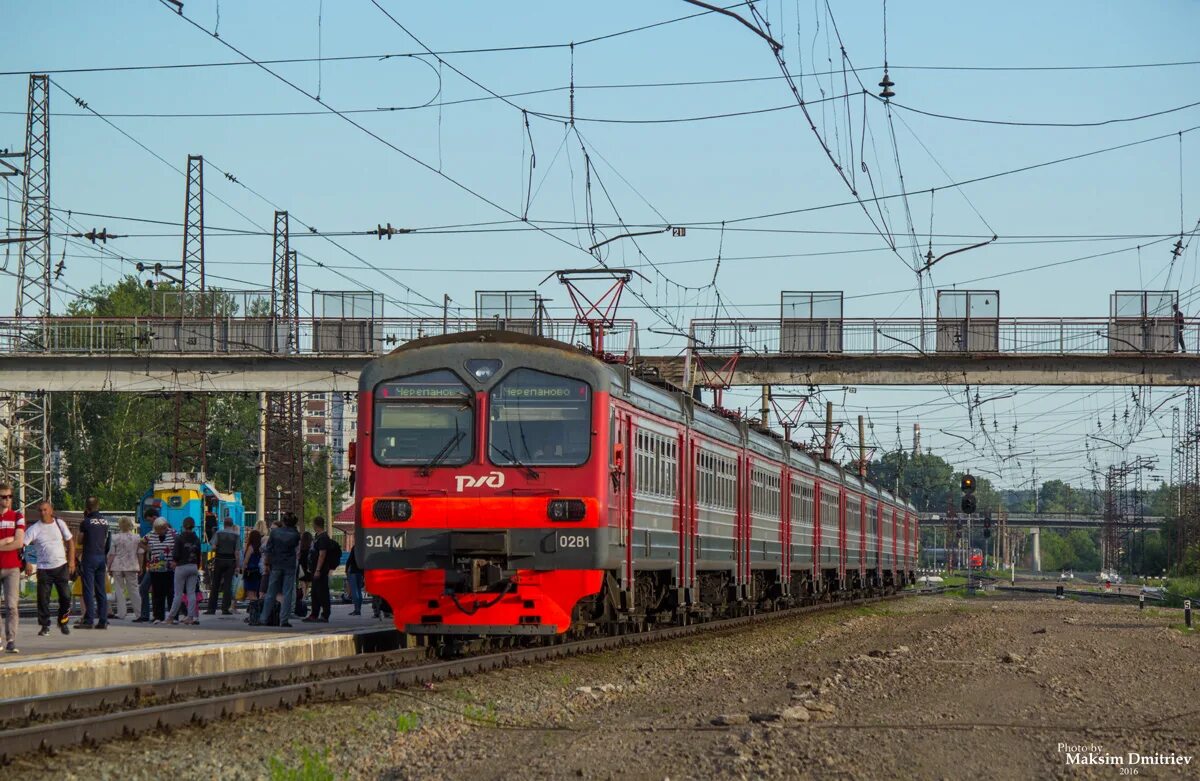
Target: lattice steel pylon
(1124,517)
(28,456)
(33,268)
(1185,476)
(189,452)
(285,451)
(193,303)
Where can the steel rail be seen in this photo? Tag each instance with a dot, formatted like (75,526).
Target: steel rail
(108,726)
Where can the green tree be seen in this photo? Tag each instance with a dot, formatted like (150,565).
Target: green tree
(926,480)
(114,445)
(314,486)
(1084,550)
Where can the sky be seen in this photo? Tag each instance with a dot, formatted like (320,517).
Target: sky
(449,153)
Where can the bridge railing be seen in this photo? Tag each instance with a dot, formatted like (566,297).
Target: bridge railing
(868,336)
(264,335)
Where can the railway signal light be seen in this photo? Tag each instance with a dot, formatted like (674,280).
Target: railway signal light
(987,525)
(968,489)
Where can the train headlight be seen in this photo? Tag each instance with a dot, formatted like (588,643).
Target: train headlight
(483,369)
(393,510)
(566,510)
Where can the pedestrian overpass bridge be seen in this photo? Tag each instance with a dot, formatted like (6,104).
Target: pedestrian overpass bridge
(1060,521)
(240,354)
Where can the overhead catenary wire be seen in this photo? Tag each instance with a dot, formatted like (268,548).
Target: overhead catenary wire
(552,46)
(349,58)
(86,106)
(413,158)
(1018,123)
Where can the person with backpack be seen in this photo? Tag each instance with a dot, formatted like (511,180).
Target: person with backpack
(326,555)
(226,561)
(95,542)
(54,547)
(186,554)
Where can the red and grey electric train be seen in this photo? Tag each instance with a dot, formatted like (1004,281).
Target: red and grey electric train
(513,485)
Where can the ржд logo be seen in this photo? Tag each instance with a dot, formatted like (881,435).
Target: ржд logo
(490,480)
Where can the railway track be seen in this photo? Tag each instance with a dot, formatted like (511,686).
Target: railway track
(57,721)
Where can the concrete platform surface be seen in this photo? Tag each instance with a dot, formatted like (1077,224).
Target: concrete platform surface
(137,653)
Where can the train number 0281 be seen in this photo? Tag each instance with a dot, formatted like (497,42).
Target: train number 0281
(574,541)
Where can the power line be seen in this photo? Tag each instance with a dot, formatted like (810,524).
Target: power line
(355,57)
(552,46)
(84,105)
(441,174)
(1014,123)
(961,183)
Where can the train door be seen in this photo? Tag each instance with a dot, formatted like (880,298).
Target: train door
(739,531)
(621,514)
(816,534)
(895,532)
(862,536)
(843,547)
(879,510)
(683,504)
(785,530)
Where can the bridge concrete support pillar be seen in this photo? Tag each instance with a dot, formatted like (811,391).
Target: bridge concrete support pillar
(260,467)
(1037,549)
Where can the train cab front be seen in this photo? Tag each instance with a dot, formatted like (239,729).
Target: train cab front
(480,512)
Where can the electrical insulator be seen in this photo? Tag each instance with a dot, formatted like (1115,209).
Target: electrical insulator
(887,84)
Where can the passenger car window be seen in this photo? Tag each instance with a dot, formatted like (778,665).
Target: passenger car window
(424,419)
(540,419)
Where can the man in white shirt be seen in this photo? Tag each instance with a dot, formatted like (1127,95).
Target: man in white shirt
(54,546)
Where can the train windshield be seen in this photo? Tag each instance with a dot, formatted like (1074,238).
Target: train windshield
(424,420)
(540,419)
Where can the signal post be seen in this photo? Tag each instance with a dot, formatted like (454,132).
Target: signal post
(969,506)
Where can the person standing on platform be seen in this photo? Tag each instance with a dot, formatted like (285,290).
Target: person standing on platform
(186,555)
(252,565)
(12,540)
(354,577)
(160,564)
(51,540)
(226,562)
(210,524)
(95,542)
(304,573)
(325,557)
(279,562)
(123,564)
(144,579)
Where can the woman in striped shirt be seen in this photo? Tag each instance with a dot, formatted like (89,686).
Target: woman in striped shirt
(158,546)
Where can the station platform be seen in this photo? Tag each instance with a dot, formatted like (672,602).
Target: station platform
(128,653)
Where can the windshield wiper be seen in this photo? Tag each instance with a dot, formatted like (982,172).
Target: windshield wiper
(530,471)
(441,454)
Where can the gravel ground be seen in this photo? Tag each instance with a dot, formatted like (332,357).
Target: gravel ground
(931,687)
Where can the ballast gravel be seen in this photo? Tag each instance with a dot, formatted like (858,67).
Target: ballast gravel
(927,687)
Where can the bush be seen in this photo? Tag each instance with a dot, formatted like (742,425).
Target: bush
(1179,589)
